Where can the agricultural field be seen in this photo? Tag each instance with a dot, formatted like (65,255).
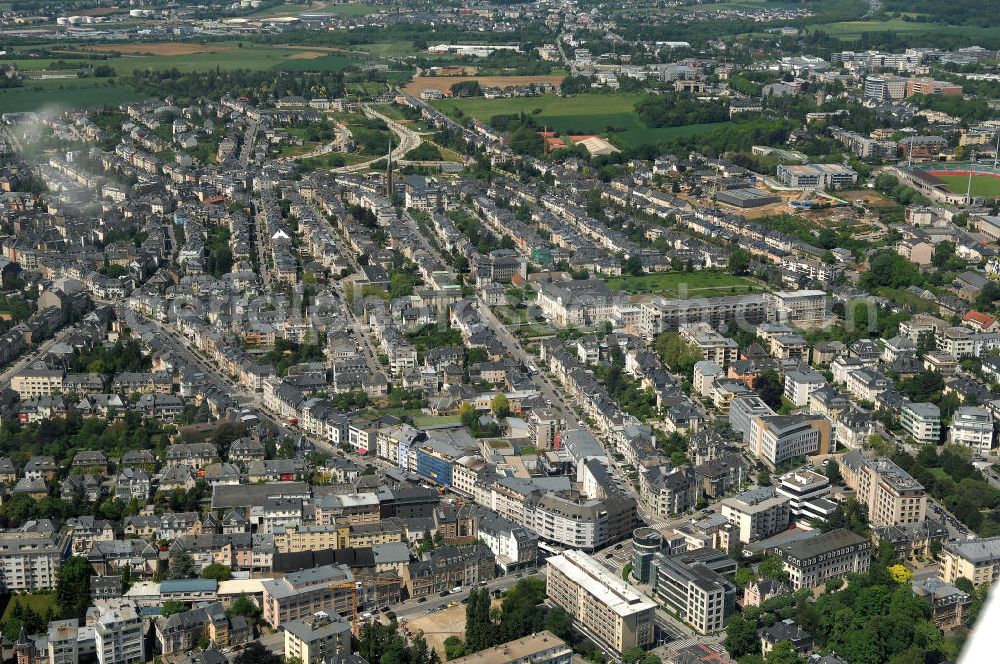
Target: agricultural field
(702,283)
(982,185)
(129,58)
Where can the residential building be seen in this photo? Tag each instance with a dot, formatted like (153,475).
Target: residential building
(63,641)
(604,607)
(977,560)
(539,648)
(922,421)
(328,588)
(949,605)
(813,561)
(785,630)
(712,345)
(799,307)
(892,496)
(972,426)
(801,383)
(757,513)
(317,638)
(118,633)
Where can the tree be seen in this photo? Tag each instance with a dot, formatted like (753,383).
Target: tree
(632,265)
(500,406)
(633,655)
(479,628)
(833,471)
(900,574)
(739,261)
(559,622)
(172,606)
(783,653)
(772,568)
(771,388)
(741,636)
(217,571)
(73,587)
(181,566)
(454,648)
(744,577)
(255,653)
(764,477)
(244,606)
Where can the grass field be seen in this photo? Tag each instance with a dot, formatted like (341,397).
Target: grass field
(849,30)
(129,58)
(703,283)
(84,92)
(353,9)
(40,603)
(583,113)
(982,185)
(587,113)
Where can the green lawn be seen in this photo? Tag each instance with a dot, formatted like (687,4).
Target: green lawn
(432,420)
(40,604)
(703,283)
(982,185)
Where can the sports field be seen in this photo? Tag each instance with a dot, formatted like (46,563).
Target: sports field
(703,283)
(982,185)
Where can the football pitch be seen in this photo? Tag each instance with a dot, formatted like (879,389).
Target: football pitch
(982,185)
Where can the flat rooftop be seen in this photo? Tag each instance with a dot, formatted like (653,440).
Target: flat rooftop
(608,588)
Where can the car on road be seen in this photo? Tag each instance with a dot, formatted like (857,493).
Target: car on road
(443,593)
(421,600)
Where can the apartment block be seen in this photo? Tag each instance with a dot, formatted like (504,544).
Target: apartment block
(813,561)
(801,306)
(712,345)
(977,560)
(892,496)
(972,426)
(330,588)
(605,608)
(118,633)
(801,383)
(922,421)
(539,648)
(37,381)
(757,513)
(317,638)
